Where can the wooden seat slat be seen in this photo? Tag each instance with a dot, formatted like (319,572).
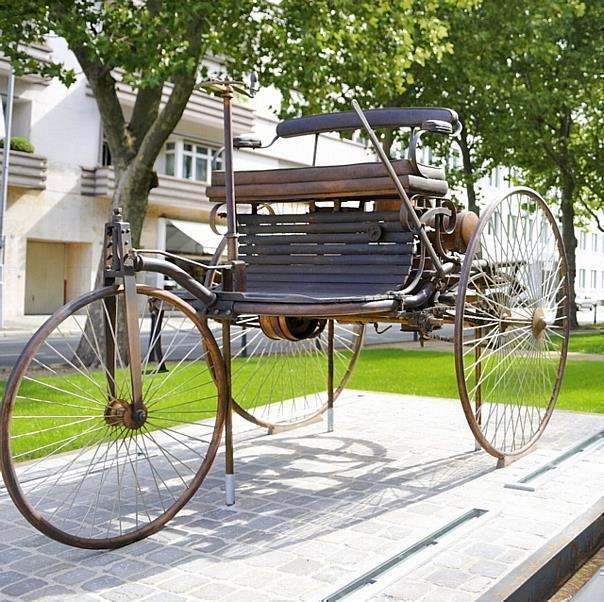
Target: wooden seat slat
(343,237)
(360,260)
(266,271)
(361,188)
(320,290)
(326,249)
(321,217)
(320,228)
(358,278)
(324,173)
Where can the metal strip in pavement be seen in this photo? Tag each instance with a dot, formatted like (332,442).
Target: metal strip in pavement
(371,576)
(522,485)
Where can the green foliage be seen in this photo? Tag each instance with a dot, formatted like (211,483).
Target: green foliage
(150,42)
(325,53)
(17,143)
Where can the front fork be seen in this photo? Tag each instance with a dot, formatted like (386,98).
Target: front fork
(119,263)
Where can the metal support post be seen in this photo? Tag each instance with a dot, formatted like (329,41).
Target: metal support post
(229,179)
(330,392)
(229,462)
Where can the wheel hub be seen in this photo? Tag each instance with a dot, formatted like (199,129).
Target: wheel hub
(539,323)
(121,413)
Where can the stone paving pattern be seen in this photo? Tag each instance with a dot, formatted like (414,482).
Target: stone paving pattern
(315,510)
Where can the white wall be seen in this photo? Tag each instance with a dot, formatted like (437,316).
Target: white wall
(65,122)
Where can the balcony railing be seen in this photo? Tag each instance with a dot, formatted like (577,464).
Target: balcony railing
(26,170)
(100,182)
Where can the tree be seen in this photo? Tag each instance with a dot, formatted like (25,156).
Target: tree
(553,90)
(528,83)
(158,47)
(161,44)
(150,45)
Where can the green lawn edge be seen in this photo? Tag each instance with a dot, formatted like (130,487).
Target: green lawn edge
(432,374)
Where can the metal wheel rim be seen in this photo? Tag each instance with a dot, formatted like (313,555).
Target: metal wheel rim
(11,479)
(562,305)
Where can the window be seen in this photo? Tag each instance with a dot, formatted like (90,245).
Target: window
(494,225)
(170,159)
(594,279)
(105,154)
(581,278)
(21,122)
(602,281)
(582,240)
(190,160)
(594,243)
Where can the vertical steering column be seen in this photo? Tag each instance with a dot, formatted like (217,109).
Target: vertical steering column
(229,179)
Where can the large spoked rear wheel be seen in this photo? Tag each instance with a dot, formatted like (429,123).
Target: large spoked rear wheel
(280,383)
(75,461)
(511,323)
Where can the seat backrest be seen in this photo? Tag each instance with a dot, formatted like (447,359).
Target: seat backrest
(394,117)
(325,254)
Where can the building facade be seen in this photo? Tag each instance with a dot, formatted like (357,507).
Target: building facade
(59,197)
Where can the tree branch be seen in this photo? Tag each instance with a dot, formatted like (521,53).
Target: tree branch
(146,106)
(102,84)
(169,116)
(144,113)
(594,215)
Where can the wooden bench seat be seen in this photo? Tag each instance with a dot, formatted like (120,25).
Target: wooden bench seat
(325,255)
(364,181)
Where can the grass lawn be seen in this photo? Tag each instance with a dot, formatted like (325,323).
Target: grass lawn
(587,343)
(188,395)
(433,374)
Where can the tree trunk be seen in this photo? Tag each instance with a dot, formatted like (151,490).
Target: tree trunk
(468,170)
(387,141)
(569,239)
(131,194)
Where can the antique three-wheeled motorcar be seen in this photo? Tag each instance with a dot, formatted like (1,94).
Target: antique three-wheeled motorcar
(115,410)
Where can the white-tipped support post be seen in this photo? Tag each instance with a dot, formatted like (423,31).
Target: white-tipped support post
(229,489)
(330,420)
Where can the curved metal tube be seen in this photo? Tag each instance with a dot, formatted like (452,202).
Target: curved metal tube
(417,300)
(205,295)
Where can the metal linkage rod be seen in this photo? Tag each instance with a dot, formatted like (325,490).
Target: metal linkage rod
(401,191)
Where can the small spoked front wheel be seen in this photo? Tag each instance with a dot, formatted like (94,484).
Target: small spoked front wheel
(78,462)
(511,323)
(280,367)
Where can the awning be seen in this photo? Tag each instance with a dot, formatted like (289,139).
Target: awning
(199,232)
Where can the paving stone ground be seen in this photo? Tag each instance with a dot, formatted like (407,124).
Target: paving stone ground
(315,510)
